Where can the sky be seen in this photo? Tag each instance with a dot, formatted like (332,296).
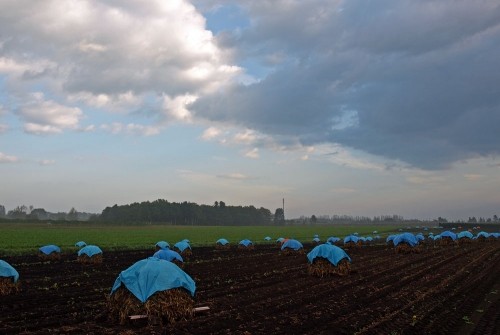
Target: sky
(339,107)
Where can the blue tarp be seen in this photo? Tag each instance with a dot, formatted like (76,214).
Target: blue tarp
(186,240)
(390,238)
(246,242)
(437,237)
(279,240)
(222,241)
(369,238)
(267,238)
(362,239)
(333,239)
(449,234)
(151,275)
(80,244)
(90,250)
(465,234)
(483,234)
(162,245)
(7,271)
(351,238)
(182,245)
(316,239)
(495,235)
(316,236)
(168,255)
(408,238)
(331,252)
(48,249)
(420,237)
(292,244)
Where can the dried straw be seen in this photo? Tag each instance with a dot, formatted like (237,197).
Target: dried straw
(219,246)
(321,267)
(167,306)
(464,240)
(242,247)
(405,248)
(444,241)
(352,245)
(289,251)
(85,259)
(7,286)
(53,256)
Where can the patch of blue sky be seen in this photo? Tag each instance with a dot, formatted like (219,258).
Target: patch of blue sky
(226,18)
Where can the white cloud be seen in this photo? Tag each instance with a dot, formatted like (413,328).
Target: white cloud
(254,153)
(131,129)
(4,158)
(177,107)
(210,133)
(47,116)
(235,176)
(473,176)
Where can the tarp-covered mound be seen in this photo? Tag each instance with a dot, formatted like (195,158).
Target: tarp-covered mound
(162,245)
(406,243)
(482,236)
(151,275)
(316,240)
(267,238)
(8,278)
(168,255)
(90,254)
(222,244)
(7,271)
(390,239)
(80,244)
(154,287)
(328,259)
(50,251)
(465,237)
(333,239)
(351,241)
(184,248)
(245,244)
(291,245)
(222,241)
(447,238)
(280,240)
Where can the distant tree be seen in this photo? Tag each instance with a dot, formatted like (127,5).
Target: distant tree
(72,214)
(314,219)
(38,214)
(222,204)
(216,204)
(2,211)
(495,218)
(19,212)
(279,216)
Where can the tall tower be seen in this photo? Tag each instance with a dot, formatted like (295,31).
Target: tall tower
(283,209)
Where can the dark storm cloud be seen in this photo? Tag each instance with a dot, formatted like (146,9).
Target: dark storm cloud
(416,81)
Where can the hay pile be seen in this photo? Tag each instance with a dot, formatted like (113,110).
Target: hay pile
(219,246)
(289,251)
(53,256)
(405,248)
(445,241)
(464,240)
(166,306)
(186,254)
(242,247)
(321,267)
(85,259)
(352,245)
(7,286)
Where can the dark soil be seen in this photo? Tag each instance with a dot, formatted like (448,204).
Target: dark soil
(442,290)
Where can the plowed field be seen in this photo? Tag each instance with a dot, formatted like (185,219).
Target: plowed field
(442,290)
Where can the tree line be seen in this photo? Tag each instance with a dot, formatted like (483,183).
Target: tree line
(187,213)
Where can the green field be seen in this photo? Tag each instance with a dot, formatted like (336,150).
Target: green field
(27,238)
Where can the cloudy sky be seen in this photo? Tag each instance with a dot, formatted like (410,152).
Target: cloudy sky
(341,107)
